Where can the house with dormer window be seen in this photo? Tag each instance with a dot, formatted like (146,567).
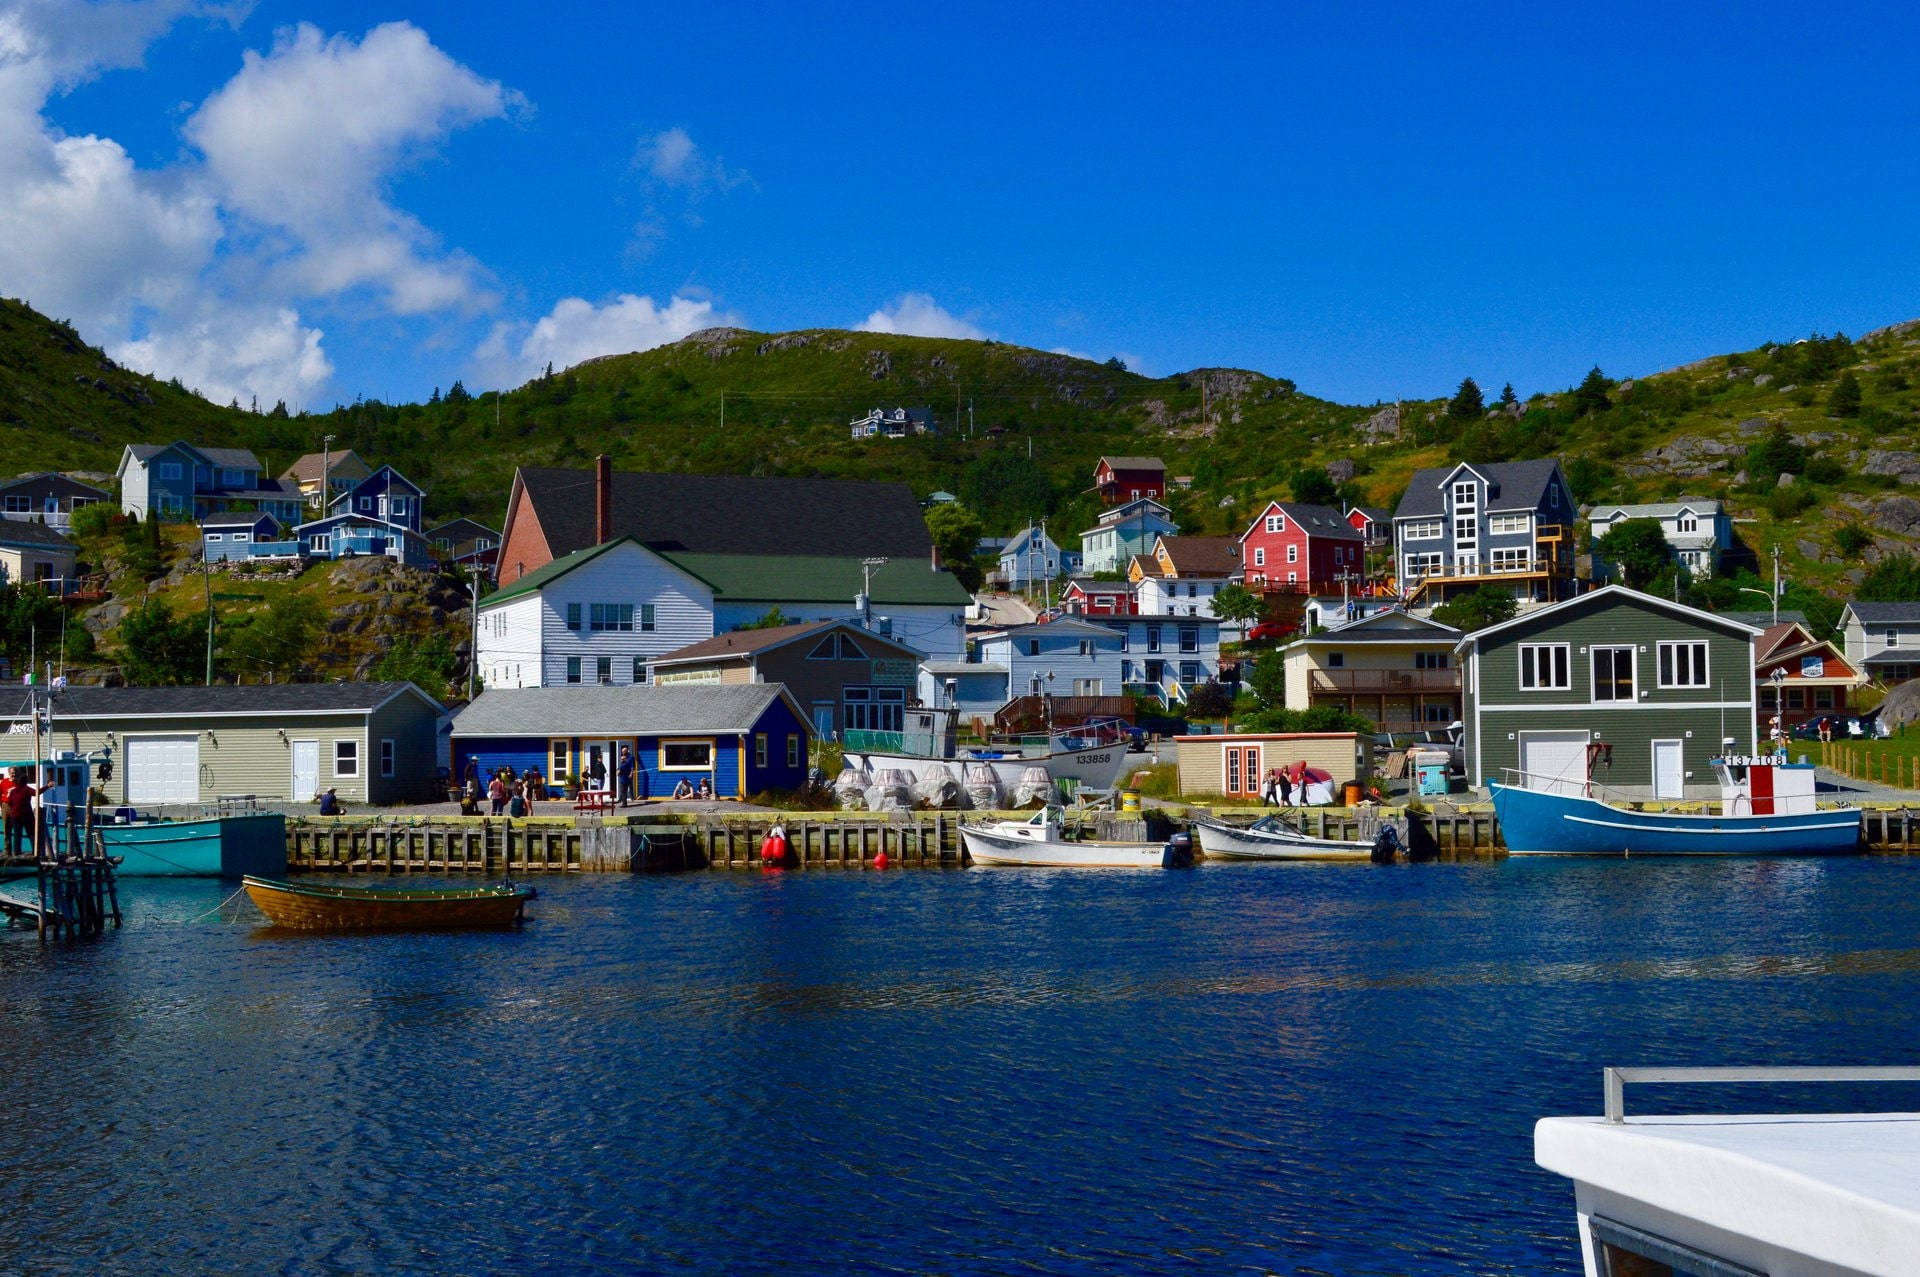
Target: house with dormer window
(179,481)
(1882,639)
(1122,479)
(1291,547)
(1506,523)
(892,423)
(1124,531)
(1183,574)
(1698,530)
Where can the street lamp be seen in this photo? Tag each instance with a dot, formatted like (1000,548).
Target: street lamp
(1774,597)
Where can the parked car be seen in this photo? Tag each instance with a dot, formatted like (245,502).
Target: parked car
(1838,728)
(1270,632)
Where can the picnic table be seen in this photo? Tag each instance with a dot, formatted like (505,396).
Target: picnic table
(594,800)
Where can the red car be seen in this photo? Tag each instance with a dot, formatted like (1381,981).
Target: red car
(1269,631)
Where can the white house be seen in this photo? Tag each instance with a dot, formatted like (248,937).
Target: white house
(593,616)
(892,423)
(1699,531)
(1183,574)
(1067,657)
(1122,532)
(1883,639)
(1172,654)
(1029,557)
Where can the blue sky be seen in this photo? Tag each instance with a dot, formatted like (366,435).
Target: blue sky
(318,201)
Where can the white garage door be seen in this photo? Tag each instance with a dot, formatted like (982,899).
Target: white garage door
(163,769)
(1554,761)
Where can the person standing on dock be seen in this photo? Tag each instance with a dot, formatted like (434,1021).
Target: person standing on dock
(497,793)
(626,775)
(19,812)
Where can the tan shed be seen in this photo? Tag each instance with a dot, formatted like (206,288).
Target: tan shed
(1235,764)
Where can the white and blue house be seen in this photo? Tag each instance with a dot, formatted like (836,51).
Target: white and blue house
(230,538)
(1029,557)
(1166,656)
(179,480)
(1124,531)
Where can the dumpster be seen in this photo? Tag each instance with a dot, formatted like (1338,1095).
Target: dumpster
(1429,768)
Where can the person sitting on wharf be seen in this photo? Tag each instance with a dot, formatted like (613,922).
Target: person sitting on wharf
(684,789)
(470,799)
(330,804)
(706,787)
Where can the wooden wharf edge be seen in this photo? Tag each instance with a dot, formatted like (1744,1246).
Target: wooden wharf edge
(488,845)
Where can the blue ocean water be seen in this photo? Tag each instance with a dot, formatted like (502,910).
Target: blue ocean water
(1239,1068)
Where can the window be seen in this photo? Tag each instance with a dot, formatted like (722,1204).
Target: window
(1192,590)
(1233,771)
(366,503)
(1153,638)
(1893,638)
(1544,667)
(1687,522)
(1430,660)
(1276,523)
(1189,638)
(646,618)
(172,504)
(169,469)
(19,505)
(639,669)
(760,750)
(1336,660)
(603,670)
(1086,647)
(1506,524)
(1796,699)
(1823,698)
(686,755)
(1464,497)
(442,544)
(1424,530)
(793,749)
(1033,647)
(1684,664)
(1612,673)
(1423,564)
(1189,671)
(243,536)
(608,617)
(573,617)
(1466,530)
(215,536)
(1514,559)
(322,542)
(1088,687)
(876,709)
(231,478)
(1293,554)
(483,543)
(559,756)
(573,669)
(346,758)
(386,759)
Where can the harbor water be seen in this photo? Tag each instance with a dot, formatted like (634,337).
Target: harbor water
(1239,1068)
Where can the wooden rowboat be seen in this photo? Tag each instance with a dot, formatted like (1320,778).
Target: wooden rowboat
(322,908)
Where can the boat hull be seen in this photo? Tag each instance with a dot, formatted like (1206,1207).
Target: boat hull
(986,848)
(1224,842)
(1540,824)
(225,847)
(322,908)
(1098,767)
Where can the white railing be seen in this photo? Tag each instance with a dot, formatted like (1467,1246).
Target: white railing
(1614,1081)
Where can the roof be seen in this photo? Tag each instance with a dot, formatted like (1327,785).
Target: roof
(742,644)
(53,479)
(1314,520)
(21,532)
(796,578)
(1522,485)
(1389,625)
(309,466)
(1872,613)
(236,458)
(627,709)
(1202,556)
(732,514)
(1893,656)
(221,700)
(1061,625)
(1376,514)
(235,519)
(1017,544)
(1134,463)
(1089,585)
(461,529)
(1655,510)
(1760,620)
(551,571)
(1138,508)
(956,668)
(1580,601)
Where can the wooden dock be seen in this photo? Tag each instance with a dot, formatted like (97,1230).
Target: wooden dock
(73,898)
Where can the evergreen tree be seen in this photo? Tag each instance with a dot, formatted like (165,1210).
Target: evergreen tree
(1467,402)
(279,410)
(457,394)
(1507,398)
(956,533)
(1845,399)
(1591,395)
(159,651)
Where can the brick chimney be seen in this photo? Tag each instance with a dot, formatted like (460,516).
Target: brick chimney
(602,499)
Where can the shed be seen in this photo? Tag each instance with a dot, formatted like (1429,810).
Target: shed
(746,737)
(1234,764)
(233,536)
(35,552)
(279,742)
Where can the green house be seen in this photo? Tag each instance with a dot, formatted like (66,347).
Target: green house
(1658,686)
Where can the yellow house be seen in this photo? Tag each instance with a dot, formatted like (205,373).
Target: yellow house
(35,552)
(1391,667)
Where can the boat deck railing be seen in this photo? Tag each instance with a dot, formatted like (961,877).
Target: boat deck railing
(1615,1080)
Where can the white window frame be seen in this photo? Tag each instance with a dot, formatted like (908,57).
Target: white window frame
(1259,556)
(1517,558)
(1276,523)
(1554,660)
(1686,521)
(347,753)
(1697,658)
(675,741)
(1293,554)
(1507,524)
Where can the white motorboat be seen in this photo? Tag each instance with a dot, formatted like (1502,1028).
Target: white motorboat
(1740,1196)
(1276,838)
(1042,841)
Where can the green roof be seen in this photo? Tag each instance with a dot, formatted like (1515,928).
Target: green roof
(553,570)
(779,578)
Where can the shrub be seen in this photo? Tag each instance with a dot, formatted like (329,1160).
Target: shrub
(1850,539)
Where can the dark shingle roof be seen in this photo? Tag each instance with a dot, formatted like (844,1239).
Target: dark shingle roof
(733,514)
(20,532)
(58,484)
(624,710)
(253,698)
(1319,520)
(1522,485)
(796,578)
(1870,613)
(236,458)
(742,643)
(1135,463)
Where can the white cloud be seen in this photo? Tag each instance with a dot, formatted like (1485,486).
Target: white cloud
(302,141)
(673,158)
(918,315)
(228,353)
(576,330)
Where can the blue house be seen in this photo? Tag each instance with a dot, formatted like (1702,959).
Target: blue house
(385,495)
(744,738)
(347,536)
(178,480)
(225,537)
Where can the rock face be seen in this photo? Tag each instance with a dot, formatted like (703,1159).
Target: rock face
(878,363)
(1902,705)
(1903,465)
(1690,456)
(1384,424)
(1754,426)
(1898,515)
(1341,469)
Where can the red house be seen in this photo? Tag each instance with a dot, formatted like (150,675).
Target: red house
(1085,596)
(1119,479)
(1293,548)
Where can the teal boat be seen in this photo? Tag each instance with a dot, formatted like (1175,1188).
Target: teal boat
(217,847)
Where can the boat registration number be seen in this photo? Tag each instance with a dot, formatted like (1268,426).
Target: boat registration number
(1090,760)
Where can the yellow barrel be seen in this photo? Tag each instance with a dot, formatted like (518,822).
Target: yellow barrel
(1129,800)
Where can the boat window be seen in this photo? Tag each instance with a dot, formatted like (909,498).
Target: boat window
(1621,1250)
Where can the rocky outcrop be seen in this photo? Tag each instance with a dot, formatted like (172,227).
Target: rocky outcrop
(1690,456)
(1898,515)
(1904,466)
(1384,424)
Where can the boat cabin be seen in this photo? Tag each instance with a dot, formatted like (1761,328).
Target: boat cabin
(1764,785)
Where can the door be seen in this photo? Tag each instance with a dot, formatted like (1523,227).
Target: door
(597,759)
(1669,778)
(163,769)
(306,770)
(1242,771)
(823,720)
(1555,762)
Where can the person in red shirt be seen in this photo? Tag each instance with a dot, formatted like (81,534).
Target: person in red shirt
(19,805)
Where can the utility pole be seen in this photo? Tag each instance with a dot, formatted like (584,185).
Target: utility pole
(206,579)
(723,412)
(1776,585)
(473,633)
(326,464)
(866,590)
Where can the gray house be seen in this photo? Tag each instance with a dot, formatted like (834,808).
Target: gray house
(47,498)
(1507,523)
(1697,529)
(1882,639)
(282,743)
(1658,686)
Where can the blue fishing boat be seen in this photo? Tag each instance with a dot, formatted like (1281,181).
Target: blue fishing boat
(216,847)
(1767,808)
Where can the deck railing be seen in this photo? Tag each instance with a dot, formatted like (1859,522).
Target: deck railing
(1614,1081)
(1378,682)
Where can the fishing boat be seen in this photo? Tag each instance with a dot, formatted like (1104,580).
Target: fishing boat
(1740,1196)
(313,907)
(216,846)
(1090,756)
(1276,838)
(1767,808)
(1043,841)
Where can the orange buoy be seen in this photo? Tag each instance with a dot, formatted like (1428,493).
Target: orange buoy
(880,861)
(774,850)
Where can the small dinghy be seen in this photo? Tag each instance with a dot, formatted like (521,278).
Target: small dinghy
(1274,838)
(1042,841)
(324,908)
